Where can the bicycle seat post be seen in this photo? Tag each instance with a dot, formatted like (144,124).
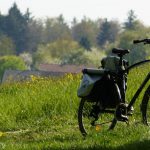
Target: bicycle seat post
(121,62)
(121,82)
(120,52)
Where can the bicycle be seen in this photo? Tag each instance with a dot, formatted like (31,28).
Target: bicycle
(103,94)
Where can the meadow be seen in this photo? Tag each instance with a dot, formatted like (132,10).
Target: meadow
(41,114)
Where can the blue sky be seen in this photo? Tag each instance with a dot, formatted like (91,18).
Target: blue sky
(111,9)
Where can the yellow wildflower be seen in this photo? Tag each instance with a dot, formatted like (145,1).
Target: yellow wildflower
(33,78)
(2,134)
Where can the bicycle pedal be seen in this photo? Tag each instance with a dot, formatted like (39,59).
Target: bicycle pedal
(130,113)
(121,113)
(122,118)
(125,118)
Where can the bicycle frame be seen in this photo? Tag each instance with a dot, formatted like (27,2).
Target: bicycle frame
(121,89)
(133,100)
(137,64)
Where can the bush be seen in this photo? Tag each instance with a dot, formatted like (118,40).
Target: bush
(54,52)
(83,57)
(11,62)
(76,57)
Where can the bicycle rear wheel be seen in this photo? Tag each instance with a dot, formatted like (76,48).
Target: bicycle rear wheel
(92,119)
(145,107)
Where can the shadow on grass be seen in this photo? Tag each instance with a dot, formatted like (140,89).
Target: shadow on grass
(72,142)
(137,145)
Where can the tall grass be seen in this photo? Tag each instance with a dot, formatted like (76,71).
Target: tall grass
(36,100)
(42,114)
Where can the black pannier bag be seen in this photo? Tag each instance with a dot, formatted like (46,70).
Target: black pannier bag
(105,91)
(97,86)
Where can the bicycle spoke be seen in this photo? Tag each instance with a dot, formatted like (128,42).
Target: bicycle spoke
(91,121)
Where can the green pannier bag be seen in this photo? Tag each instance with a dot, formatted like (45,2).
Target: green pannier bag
(88,81)
(110,63)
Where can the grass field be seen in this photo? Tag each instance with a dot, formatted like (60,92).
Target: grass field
(41,114)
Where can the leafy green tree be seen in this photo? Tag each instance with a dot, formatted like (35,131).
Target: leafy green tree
(82,57)
(54,52)
(109,31)
(94,57)
(131,20)
(43,56)
(6,46)
(61,47)
(35,35)
(56,29)
(132,23)
(138,51)
(11,62)
(84,30)
(75,57)
(15,25)
(84,42)
(74,22)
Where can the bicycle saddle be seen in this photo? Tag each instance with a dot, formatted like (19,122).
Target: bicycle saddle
(120,51)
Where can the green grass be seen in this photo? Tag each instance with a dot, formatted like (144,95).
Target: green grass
(42,115)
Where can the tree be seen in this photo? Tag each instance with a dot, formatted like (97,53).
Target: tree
(75,57)
(108,32)
(74,22)
(131,20)
(61,47)
(84,32)
(55,29)
(82,57)
(137,52)
(41,56)
(84,42)
(15,25)
(54,52)
(35,35)
(7,46)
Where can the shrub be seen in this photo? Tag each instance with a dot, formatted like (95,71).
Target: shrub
(11,62)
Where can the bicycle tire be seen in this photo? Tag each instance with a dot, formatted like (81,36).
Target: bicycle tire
(145,107)
(85,122)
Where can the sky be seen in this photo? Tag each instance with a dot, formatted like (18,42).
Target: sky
(111,9)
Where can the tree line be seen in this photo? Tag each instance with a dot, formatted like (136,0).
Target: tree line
(53,40)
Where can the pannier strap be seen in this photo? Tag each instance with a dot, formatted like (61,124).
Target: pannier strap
(93,71)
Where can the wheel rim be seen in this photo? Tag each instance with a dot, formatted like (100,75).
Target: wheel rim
(87,125)
(145,108)
(148,113)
